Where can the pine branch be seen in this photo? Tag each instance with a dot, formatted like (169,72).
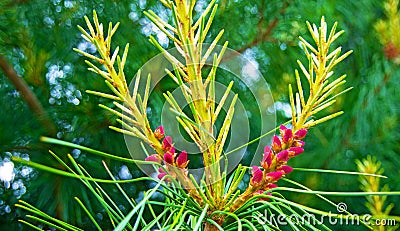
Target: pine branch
(27,94)
(266,34)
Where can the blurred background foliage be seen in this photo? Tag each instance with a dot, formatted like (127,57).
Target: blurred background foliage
(36,40)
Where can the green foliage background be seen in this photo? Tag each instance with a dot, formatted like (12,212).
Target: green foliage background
(37,38)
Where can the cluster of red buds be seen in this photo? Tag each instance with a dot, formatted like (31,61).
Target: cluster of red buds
(275,158)
(391,51)
(169,158)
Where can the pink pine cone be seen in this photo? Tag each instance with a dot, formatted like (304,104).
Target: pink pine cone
(275,176)
(283,156)
(287,135)
(167,143)
(267,157)
(294,151)
(257,175)
(182,160)
(154,158)
(168,158)
(276,144)
(298,143)
(282,128)
(161,173)
(159,133)
(300,134)
(286,169)
(270,186)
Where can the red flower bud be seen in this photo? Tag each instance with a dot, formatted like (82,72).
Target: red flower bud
(391,51)
(270,186)
(298,143)
(161,175)
(267,150)
(159,133)
(257,176)
(172,151)
(276,144)
(287,135)
(300,134)
(260,192)
(167,143)
(282,128)
(286,169)
(274,176)
(168,158)
(255,169)
(154,158)
(267,157)
(283,156)
(296,151)
(182,160)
